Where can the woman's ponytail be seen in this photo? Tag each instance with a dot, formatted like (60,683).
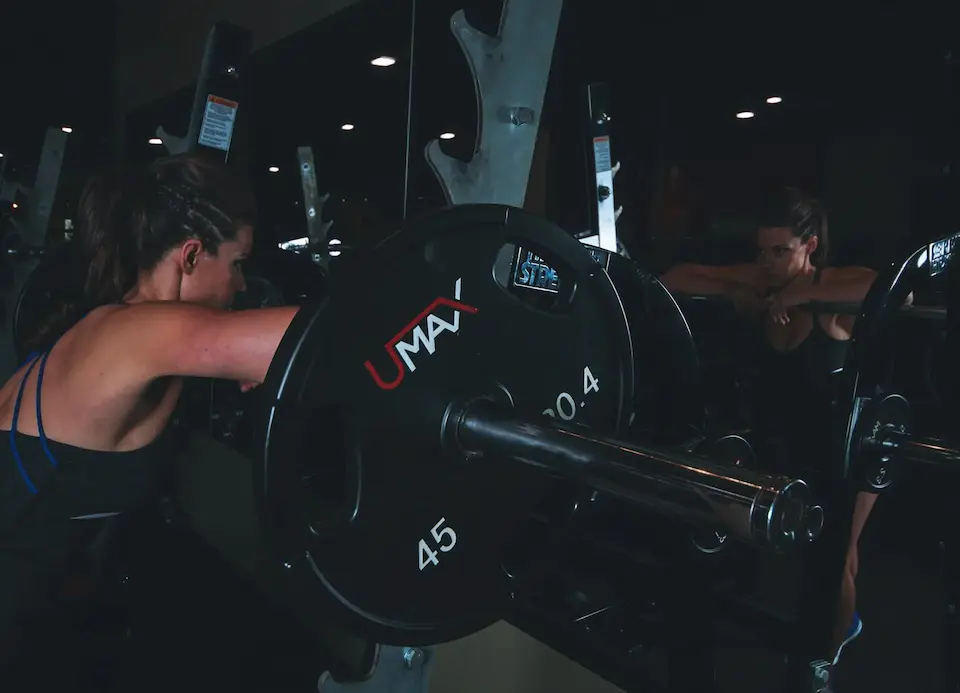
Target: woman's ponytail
(105,225)
(87,272)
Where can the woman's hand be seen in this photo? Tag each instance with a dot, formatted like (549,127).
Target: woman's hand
(248,385)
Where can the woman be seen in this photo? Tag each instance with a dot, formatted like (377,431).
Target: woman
(165,248)
(802,350)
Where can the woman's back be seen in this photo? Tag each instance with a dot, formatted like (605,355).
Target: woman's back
(92,396)
(82,421)
(55,496)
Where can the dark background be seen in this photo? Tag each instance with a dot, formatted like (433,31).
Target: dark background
(866,122)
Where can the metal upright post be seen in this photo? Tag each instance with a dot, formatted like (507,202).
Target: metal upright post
(510,72)
(44,192)
(216,99)
(603,211)
(313,203)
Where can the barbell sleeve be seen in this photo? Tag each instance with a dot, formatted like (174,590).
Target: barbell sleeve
(752,506)
(909,449)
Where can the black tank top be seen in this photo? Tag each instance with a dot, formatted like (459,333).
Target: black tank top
(54,499)
(798,388)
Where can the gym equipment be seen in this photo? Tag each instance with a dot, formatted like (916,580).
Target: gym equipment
(876,440)
(55,281)
(313,204)
(217,96)
(13,248)
(878,430)
(603,211)
(510,74)
(32,227)
(26,234)
(732,450)
(906,312)
(445,443)
(397,669)
(668,397)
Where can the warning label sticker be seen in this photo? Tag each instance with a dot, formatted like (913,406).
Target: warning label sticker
(219,117)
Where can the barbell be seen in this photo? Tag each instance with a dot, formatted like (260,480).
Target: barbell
(906,312)
(414,418)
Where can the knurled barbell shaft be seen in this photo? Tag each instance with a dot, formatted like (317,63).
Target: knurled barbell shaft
(903,447)
(688,487)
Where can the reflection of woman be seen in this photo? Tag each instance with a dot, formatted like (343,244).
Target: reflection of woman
(802,350)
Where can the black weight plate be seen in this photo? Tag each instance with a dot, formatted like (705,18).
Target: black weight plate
(888,413)
(406,537)
(869,355)
(668,389)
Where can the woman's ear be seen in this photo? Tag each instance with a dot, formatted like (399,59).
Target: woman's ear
(189,255)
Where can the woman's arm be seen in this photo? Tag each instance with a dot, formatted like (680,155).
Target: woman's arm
(841,285)
(707,280)
(171,338)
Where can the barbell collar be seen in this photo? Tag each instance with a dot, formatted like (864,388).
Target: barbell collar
(905,448)
(759,508)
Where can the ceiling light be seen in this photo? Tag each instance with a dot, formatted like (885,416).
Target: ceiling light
(1,155)
(347,126)
(155,140)
(333,242)
(15,205)
(383,61)
(745,115)
(774,99)
(274,169)
(447,136)
(66,129)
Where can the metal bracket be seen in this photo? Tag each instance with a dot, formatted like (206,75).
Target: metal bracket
(217,94)
(41,197)
(601,172)
(313,202)
(397,670)
(820,671)
(603,211)
(510,72)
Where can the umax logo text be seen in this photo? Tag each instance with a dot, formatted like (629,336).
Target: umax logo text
(423,330)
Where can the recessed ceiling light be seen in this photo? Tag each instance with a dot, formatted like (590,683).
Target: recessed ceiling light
(274,169)
(383,61)
(155,140)
(745,115)
(774,99)
(66,129)
(347,126)
(447,136)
